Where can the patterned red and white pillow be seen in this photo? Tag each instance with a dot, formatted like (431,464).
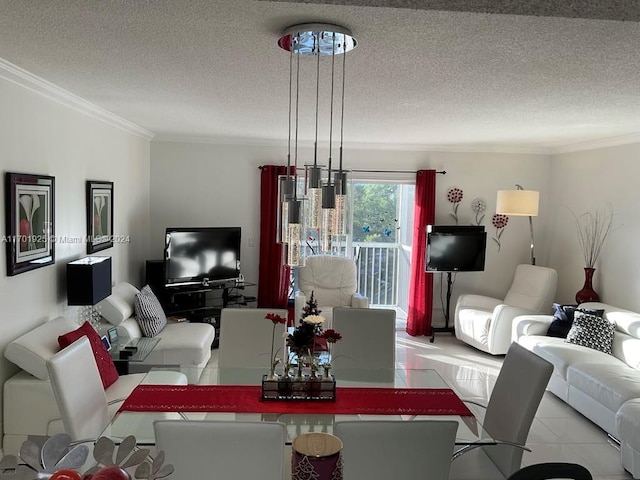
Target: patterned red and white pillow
(104,362)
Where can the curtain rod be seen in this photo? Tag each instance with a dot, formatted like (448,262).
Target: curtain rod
(443,172)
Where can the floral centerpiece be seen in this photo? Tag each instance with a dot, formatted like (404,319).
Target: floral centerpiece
(303,342)
(306,344)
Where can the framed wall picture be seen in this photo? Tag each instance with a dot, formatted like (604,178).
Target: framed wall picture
(99,215)
(30,226)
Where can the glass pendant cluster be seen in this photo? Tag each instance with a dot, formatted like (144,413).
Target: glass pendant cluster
(326,203)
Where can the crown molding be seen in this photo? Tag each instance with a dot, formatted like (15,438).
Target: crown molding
(596,144)
(25,79)
(215,140)
(471,148)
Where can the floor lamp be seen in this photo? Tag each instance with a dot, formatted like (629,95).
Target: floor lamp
(519,202)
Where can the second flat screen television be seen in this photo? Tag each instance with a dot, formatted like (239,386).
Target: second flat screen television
(199,256)
(455,248)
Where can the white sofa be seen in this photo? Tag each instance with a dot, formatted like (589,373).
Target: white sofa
(604,388)
(180,343)
(29,405)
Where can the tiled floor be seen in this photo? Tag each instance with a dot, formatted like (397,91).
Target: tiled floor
(558,432)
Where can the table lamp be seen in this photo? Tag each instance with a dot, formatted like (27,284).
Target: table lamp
(519,202)
(88,282)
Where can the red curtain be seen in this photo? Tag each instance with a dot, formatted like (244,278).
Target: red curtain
(273,275)
(421,286)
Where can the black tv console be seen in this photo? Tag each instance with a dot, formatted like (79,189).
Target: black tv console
(198,303)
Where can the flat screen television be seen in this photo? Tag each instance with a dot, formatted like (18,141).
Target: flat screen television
(456,248)
(200,256)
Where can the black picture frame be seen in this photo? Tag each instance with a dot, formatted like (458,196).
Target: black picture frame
(30,221)
(99,215)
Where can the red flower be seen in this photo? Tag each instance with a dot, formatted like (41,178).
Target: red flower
(275,318)
(330,335)
(499,220)
(455,194)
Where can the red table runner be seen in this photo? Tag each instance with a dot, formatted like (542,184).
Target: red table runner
(247,399)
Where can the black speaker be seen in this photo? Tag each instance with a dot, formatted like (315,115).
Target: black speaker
(154,274)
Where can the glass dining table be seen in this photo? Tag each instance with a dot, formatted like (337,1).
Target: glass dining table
(140,423)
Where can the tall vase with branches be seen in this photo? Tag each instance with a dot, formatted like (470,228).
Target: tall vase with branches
(593,229)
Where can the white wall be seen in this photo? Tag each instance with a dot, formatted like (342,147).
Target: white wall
(219,185)
(585,181)
(40,136)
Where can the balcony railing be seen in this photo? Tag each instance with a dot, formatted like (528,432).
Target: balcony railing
(383,273)
(378,272)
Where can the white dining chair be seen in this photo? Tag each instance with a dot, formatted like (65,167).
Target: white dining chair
(368,338)
(386,449)
(551,470)
(512,406)
(245,337)
(78,391)
(224,450)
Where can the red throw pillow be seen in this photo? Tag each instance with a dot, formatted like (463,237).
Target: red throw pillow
(106,367)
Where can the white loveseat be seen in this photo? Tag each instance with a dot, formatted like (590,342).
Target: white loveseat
(29,405)
(604,388)
(485,322)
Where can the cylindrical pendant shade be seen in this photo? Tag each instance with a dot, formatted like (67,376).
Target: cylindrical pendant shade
(518,202)
(295,253)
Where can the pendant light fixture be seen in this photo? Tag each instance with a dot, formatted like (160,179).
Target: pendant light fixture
(326,201)
(285,184)
(296,227)
(328,190)
(314,185)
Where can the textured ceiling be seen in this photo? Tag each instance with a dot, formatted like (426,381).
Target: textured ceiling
(425,73)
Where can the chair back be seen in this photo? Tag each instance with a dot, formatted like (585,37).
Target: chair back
(245,337)
(78,390)
(545,471)
(533,288)
(222,450)
(388,449)
(512,406)
(332,278)
(368,338)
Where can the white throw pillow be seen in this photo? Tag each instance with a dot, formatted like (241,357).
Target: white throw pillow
(149,312)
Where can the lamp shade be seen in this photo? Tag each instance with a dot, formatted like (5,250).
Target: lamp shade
(88,280)
(518,202)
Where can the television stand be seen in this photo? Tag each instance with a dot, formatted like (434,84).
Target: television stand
(199,303)
(447,314)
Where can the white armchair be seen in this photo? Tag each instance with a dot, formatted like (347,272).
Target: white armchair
(334,283)
(486,323)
